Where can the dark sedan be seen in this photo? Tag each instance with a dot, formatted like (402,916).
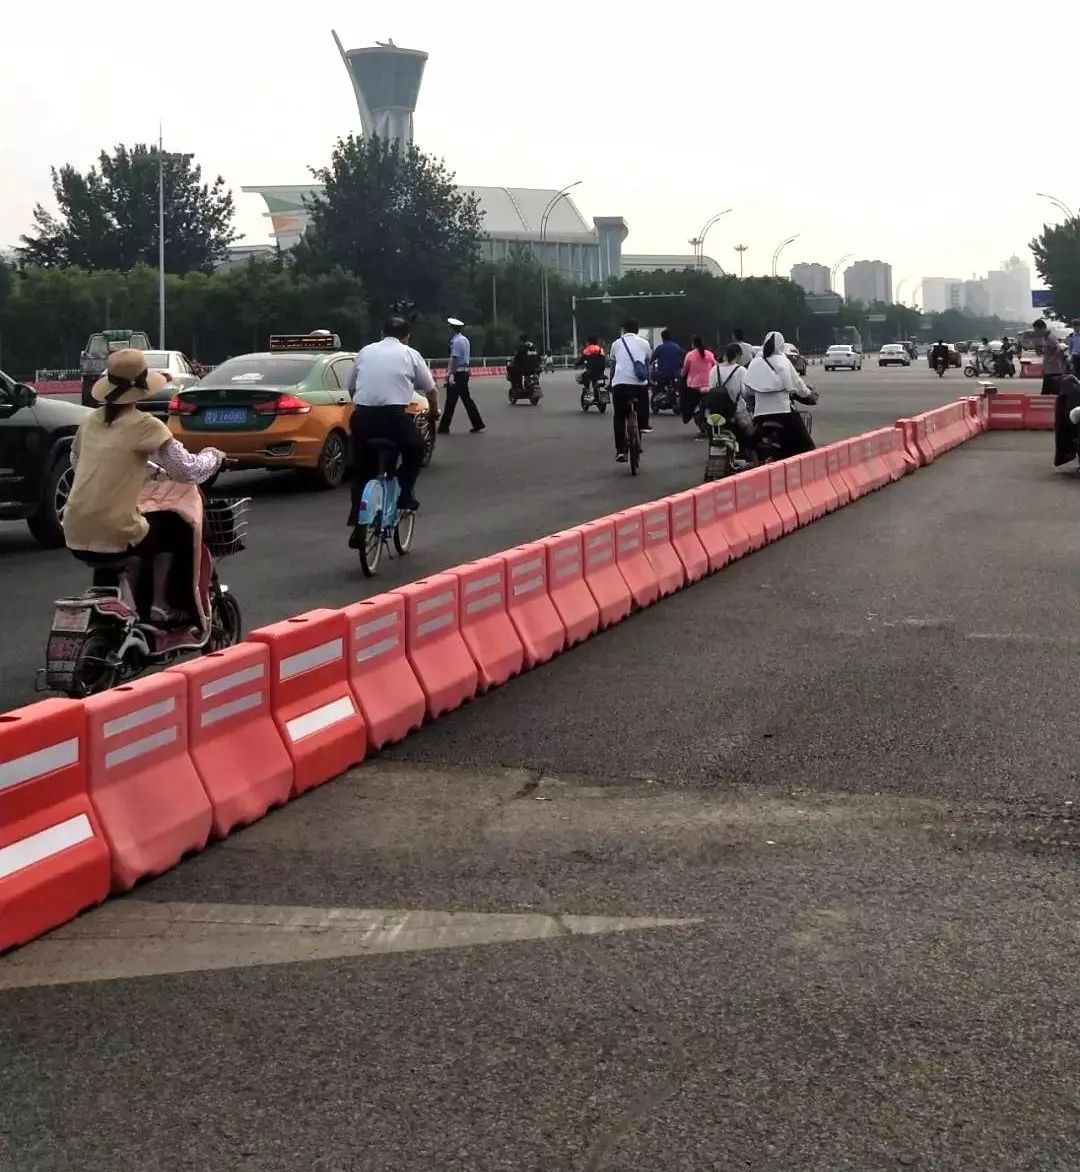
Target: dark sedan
(35,458)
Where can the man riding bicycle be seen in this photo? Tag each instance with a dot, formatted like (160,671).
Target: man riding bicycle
(382,382)
(629,362)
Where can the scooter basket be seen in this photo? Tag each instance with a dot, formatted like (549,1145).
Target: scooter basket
(225,525)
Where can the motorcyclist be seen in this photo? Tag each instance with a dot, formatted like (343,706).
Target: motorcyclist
(939,353)
(525,360)
(594,360)
(774,383)
(103,526)
(667,359)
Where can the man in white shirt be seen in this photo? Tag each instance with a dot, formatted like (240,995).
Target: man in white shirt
(382,383)
(628,390)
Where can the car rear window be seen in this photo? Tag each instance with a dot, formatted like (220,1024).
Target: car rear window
(157,359)
(270,370)
(839,349)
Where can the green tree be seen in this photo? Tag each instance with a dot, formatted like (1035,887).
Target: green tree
(1057,259)
(395,218)
(108,217)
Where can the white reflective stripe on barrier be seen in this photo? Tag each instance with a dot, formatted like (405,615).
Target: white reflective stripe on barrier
(140,748)
(529,586)
(44,844)
(38,763)
(130,720)
(245,675)
(435,624)
(485,603)
(482,583)
(379,624)
(369,652)
(427,604)
(231,708)
(314,657)
(568,571)
(528,567)
(319,718)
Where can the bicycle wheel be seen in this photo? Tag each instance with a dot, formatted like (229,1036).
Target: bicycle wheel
(633,442)
(403,532)
(371,543)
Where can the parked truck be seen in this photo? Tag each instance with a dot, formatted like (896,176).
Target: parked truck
(95,355)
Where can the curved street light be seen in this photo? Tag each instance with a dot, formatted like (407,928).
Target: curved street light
(835,268)
(900,287)
(545,313)
(780,248)
(1059,204)
(699,259)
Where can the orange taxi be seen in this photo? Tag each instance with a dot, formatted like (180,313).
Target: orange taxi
(285,408)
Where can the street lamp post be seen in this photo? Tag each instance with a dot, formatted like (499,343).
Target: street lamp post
(1059,204)
(740,249)
(545,315)
(161,235)
(699,258)
(780,248)
(835,269)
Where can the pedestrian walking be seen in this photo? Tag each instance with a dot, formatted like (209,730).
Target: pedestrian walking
(1055,361)
(1073,343)
(457,380)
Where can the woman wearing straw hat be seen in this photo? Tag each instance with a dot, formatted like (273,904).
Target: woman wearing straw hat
(102,522)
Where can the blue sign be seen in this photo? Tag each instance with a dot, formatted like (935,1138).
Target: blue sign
(1042,299)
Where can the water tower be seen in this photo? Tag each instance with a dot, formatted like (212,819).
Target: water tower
(386,81)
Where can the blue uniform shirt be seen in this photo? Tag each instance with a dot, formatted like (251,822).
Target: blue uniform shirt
(669,359)
(460,353)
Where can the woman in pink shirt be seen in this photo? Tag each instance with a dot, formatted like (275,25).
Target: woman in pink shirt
(698,365)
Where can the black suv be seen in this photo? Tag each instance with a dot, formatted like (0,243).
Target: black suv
(35,460)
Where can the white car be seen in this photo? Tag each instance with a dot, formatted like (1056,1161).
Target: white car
(837,356)
(894,354)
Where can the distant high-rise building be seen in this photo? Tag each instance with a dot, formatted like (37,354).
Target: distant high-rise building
(868,281)
(942,293)
(813,278)
(1010,290)
(976,298)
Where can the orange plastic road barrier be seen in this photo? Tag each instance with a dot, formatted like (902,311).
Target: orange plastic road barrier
(889,444)
(731,525)
(53,858)
(927,451)
(656,530)
(794,472)
(778,494)
(1039,412)
(630,556)
(577,608)
(144,786)
(867,463)
(434,644)
(232,739)
(314,706)
(709,527)
(1006,410)
(485,623)
(818,489)
(912,456)
(380,675)
(684,538)
(602,574)
(755,507)
(971,417)
(836,458)
(531,610)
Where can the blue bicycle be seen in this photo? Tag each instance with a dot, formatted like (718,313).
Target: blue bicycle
(380,520)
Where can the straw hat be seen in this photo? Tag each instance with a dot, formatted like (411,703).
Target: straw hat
(128,375)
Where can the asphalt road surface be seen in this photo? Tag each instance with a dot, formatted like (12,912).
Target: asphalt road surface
(779,874)
(533,472)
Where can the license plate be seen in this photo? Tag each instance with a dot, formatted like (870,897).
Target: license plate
(225,415)
(72,620)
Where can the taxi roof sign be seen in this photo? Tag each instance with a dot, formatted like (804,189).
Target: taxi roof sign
(279,342)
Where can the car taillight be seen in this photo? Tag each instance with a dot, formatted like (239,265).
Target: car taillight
(282,405)
(178,405)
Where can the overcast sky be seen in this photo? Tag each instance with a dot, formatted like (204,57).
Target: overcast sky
(898,133)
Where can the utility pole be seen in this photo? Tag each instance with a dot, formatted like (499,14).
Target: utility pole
(740,249)
(161,234)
